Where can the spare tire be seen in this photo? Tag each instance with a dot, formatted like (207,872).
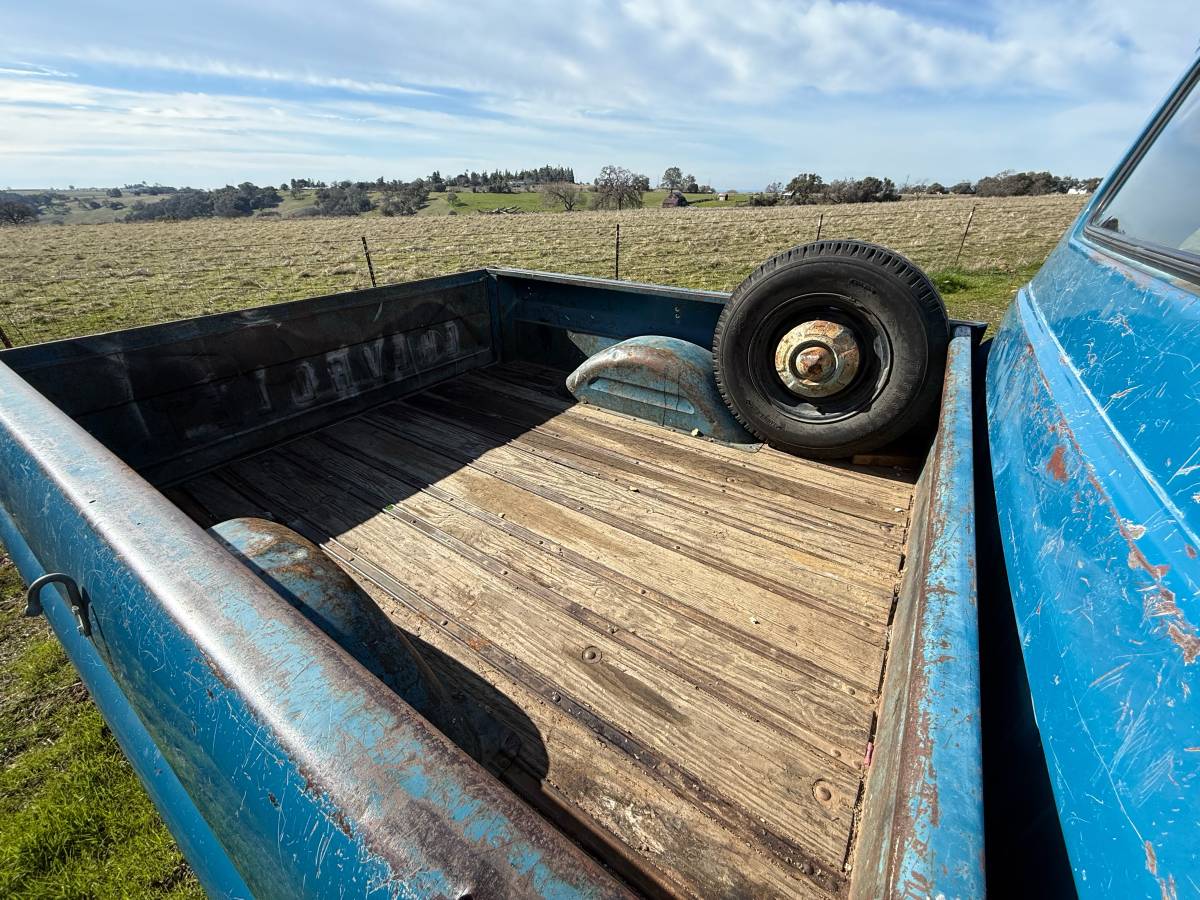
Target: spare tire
(832,349)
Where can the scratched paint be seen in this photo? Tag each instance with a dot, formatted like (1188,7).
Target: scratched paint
(1094,417)
(1102,580)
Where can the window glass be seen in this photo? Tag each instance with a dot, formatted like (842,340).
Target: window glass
(1159,202)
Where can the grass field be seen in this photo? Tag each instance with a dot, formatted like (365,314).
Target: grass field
(466,203)
(73,820)
(56,282)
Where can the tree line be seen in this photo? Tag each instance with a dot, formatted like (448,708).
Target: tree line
(808,187)
(502,182)
(1009,184)
(615,187)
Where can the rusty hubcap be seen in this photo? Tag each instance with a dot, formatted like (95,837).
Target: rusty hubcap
(817,358)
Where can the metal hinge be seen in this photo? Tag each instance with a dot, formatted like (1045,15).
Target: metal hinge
(33,600)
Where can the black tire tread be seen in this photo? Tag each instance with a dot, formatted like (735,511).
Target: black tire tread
(922,289)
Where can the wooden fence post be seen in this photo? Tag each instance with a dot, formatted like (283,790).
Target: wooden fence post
(963,242)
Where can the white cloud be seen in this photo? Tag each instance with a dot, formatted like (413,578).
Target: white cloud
(750,91)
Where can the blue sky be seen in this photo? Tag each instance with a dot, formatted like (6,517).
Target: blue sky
(739,93)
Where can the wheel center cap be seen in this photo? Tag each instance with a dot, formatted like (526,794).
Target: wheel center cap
(817,358)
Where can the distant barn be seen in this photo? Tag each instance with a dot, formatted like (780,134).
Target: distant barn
(675,198)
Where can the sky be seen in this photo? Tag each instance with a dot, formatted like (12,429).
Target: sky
(738,92)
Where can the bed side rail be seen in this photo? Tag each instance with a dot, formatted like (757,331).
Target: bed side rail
(922,825)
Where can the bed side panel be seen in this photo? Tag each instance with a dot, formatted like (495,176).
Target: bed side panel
(561,320)
(174,398)
(921,833)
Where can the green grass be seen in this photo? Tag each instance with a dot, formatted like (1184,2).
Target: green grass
(980,296)
(74,819)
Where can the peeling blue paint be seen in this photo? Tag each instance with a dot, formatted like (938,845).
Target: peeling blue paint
(1094,419)
(922,829)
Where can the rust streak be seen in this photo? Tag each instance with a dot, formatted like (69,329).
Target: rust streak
(1180,631)
(1056,465)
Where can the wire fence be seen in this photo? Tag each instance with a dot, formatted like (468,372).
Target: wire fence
(58,281)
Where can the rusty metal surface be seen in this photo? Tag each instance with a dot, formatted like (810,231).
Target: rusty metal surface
(663,380)
(817,358)
(313,777)
(191,831)
(921,834)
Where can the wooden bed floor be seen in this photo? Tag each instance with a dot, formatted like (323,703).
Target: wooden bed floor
(683,640)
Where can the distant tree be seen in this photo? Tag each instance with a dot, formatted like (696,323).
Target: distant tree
(936,188)
(261,198)
(1089,184)
(452,199)
(404,198)
(113,192)
(1021,184)
(774,187)
(705,189)
(672,179)
(641,182)
(283,186)
(690,185)
(805,188)
(186,204)
(343,200)
(561,193)
(617,188)
(230,203)
(16,212)
(962,187)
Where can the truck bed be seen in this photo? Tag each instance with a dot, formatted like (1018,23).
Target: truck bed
(684,641)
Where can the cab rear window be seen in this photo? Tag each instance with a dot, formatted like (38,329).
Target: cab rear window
(1157,204)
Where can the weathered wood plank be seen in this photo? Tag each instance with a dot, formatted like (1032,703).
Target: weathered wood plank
(581,782)
(741,761)
(855,507)
(887,483)
(798,702)
(853,654)
(780,523)
(794,573)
